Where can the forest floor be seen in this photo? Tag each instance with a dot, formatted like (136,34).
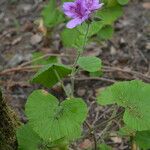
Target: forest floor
(125,57)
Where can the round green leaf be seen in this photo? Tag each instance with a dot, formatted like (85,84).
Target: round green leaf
(134,96)
(142,138)
(28,139)
(90,63)
(47,76)
(53,120)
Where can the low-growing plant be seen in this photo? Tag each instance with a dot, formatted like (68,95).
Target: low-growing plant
(54,124)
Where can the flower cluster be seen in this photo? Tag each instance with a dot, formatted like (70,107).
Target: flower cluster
(80,11)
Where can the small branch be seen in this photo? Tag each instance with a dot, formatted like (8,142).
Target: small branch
(30,68)
(95,142)
(103,123)
(42,57)
(105,69)
(95,78)
(114,69)
(114,112)
(92,133)
(88,125)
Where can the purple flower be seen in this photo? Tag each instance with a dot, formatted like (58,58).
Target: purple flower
(92,5)
(80,11)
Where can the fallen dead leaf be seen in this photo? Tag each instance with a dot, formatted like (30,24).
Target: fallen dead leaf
(86,144)
(115,138)
(146,5)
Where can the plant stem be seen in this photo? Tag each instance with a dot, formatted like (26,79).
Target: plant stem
(95,142)
(62,84)
(73,73)
(86,36)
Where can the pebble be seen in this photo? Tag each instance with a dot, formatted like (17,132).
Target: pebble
(18,59)
(148,46)
(81,91)
(36,39)
(26,7)
(113,51)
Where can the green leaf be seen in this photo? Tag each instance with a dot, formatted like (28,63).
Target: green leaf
(94,27)
(109,15)
(28,139)
(126,131)
(106,32)
(53,120)
(104,147)
(90,63)
(59,144)
(43,61)
(47,76)
(134,96)
(70,37)
(123,2)
(96,74)
(142,139)
(51,15)
(109,3)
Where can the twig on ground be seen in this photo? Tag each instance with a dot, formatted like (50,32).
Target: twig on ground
(103,123)
(104,131)
(18,69)
(95,78)
(44,56)
(138,74)
(24,67)
(92,133)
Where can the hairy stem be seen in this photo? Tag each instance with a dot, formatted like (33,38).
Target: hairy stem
(73,73)
(62,84)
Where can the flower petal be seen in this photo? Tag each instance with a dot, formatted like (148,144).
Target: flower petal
(74,22)
(92,5)
(69,8)
(95,7)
